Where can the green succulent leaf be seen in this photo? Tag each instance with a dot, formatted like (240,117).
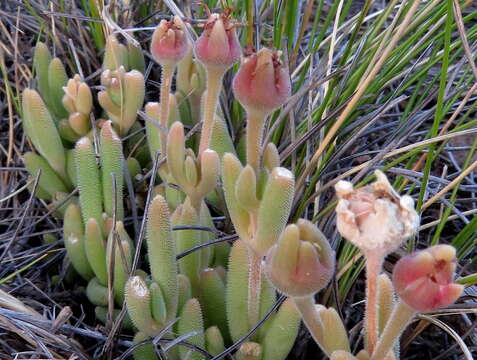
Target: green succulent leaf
(237,291)
(111,156)
(49,179)
(73,237)
(146,351)
(96,250)
(274,208)
(191,321)
(282,332)
(138,301)
(189,265)
(97,293)
(158,304)
(57,79)
(184,291)
(162,253)
(41,62)
(212,299)
(42,131)
(214,342)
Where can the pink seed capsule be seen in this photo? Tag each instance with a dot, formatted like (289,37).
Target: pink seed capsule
(302,262)
(169,43)
(262,83)
(424,280)
(218,45)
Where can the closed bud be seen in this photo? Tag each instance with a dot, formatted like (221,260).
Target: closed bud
(196,178)
(302,262)
(123,96)
(262,83)
(424,280)
(169,42)
(218,45)
(375,218)
(78,97)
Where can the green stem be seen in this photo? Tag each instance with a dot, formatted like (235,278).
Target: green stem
(254,287)
(374,263)
(311,318)
(255,124)
(196,202)
(400,318)
(214,85)
(166,81)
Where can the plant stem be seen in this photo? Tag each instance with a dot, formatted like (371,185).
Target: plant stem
(196,202)
(400,318)
(374,262)
(254,287)
(255,123)
(214,85)
(311,318)
(166,81)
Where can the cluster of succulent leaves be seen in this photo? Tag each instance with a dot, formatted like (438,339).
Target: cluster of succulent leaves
(203,298)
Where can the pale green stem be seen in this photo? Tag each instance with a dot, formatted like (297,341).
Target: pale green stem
(255,124)
(307,308)
(374,262)
(214,85)
(400,318)
(196,202)
(254,287)
(166,81)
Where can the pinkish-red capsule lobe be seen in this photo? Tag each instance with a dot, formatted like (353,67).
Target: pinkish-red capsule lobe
(218,45)
(424,280)
(169,42)
(302,262)
(262,83)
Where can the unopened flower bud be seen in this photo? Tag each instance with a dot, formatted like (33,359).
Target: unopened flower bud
(424,279)
(262,83)
(169,42)
(218,44)
(77,96)
(302,262)
(375,218)
(122,97)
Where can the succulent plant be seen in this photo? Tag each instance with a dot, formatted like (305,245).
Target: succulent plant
(197,290)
